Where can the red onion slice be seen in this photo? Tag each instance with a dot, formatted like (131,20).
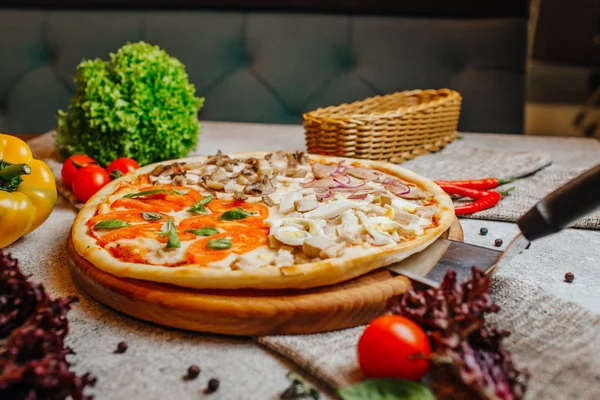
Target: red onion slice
(398,189)
(346,185)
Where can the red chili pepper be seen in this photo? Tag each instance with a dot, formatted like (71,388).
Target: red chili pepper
(483,199)
(482,184)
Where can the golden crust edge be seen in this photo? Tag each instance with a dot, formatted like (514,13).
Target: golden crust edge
(321,273)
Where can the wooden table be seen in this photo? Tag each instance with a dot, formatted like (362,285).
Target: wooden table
(158,357)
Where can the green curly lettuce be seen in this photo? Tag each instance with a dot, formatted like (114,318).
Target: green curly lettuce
(140,104)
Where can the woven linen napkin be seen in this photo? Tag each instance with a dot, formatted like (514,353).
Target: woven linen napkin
(557,341)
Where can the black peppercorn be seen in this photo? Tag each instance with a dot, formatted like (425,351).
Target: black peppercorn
(193,372)
(498,242)
(569,277)
(213,385)
(122,347)
(483,231)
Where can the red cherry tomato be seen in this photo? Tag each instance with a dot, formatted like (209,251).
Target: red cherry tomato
(390,347)
(88,180)
(69,169)
(123,165)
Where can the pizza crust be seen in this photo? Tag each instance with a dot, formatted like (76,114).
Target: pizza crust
(320,273)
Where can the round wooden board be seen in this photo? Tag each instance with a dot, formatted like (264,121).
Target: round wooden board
(247,312)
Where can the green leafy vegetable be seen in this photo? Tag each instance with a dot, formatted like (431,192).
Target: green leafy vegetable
(236,214)
(169,230)
(204,231)
(111,224)
(145,193)
(181,192)
(199,206)
(219,244)
(151,216)
(386,389)
(298,389)
(139,104)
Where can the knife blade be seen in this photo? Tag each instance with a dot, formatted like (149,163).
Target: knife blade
(555,212)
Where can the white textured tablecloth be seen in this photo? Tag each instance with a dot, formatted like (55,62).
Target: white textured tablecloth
(157,357)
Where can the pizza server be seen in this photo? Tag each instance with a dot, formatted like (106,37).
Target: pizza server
(555,212)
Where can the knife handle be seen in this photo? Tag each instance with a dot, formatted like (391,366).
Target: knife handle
(565,205)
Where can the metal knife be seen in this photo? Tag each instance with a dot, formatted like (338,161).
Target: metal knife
(555,212)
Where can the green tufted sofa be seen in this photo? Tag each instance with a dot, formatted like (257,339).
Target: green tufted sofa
(271,64)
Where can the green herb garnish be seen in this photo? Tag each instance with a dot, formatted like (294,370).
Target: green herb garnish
(111,224)
(145,193)
(181,192)
(219,244)
(169,230)
(204,231)
(151,216)
(199,206)
(386,389)
(299,389)
(233,215)
(138,104)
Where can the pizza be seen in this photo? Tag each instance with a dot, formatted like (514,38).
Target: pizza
(259,220)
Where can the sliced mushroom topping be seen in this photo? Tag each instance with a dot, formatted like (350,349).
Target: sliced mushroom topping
(159,169)
(279,165)
(229,167)
(314,245)
(215,185)
(220,174)
(242,180)
(264,168)
(268,201)
(269,184)
(286,204)
(239,195)
(255,189)
(308,203)
(323,170)
(230,186)
(179,180)
(193,165)
(216,158)
(301,157)
(296,172)
(292,161)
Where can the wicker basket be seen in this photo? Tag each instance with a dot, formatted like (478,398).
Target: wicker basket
(395,127)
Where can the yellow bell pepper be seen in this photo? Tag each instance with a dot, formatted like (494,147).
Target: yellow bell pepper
(27,190)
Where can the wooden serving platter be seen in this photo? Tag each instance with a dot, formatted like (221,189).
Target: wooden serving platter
(248,312)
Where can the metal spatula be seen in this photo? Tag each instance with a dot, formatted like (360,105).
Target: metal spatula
(556,211)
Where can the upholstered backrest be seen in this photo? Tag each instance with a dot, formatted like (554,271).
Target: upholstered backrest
(270,66)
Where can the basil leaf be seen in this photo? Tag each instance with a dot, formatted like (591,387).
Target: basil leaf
(169,230)
(203,231)
(173,239)
(219,244)
(151,216)
(236,214)
(111,224)
(167,227)
(145,193)
(180,192)
(386,389)
(199,206)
